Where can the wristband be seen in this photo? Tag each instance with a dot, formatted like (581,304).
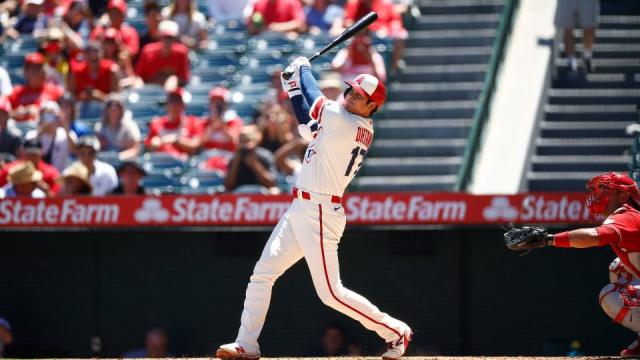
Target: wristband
(294,92)
(562,240)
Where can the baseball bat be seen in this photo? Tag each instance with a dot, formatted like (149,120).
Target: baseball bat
(359,25)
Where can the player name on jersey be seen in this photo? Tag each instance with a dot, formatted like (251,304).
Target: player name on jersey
(261,210)
(364,136)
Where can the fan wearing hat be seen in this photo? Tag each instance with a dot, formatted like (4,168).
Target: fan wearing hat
(54,49)
(331,85)
(95,77)
(58,141)
(176,133)
(359,58)
(102,176)
(75,180)
(26,99)
(116,13)
(130,174)
(23,180)
(114,50)
(31,151)
(9,136)
(159,60)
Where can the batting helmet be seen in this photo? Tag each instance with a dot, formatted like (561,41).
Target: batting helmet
(369,86)
(599,186)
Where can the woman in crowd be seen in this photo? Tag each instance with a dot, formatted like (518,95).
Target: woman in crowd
(117,131)
(192,24)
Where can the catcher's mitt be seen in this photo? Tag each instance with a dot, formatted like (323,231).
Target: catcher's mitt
(527,238)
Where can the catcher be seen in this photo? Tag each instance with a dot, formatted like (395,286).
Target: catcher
(614,198)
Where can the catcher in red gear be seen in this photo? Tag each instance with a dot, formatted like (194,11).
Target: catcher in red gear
(613,199)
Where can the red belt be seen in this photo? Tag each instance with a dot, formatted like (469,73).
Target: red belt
(301,194)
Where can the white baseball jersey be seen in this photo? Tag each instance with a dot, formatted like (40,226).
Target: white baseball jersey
(336,153)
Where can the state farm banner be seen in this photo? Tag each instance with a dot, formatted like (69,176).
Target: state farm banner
(254,210)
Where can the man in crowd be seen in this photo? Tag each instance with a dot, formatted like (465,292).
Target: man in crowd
(23,182)
(94,78)
(117,11)
(102,176)
(251,164)
(160,60)
(32,152)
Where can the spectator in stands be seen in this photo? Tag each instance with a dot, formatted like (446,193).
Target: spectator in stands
(9,137)
(6,336)
(58,141)
(5,82)
(114,50)
(192,24)
(94,78)
(175,133)
(320,16)
(26,99)
(116,11)
(53,48)
(331,85)
(31,20)
(77,23)
(222,128)
(389,24)
(117,131)
(156,345)
(152,18)
(75,180)
(68,115)
(130,174)
(31,151)
(275,126)
(23,180)
(251,164)
(289,157)
(225,10)
(285,16)
(102,176)
(571,14)
(160,60)
(359,58)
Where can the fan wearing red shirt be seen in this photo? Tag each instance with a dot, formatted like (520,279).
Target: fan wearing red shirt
(389,23)
(117,10)
(25,99)
(277,15)
(221,129)
(615,198)
(164,58)
(32,151)
(176,133)
(94,78)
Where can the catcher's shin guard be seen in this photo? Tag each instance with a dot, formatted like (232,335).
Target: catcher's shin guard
(622,303)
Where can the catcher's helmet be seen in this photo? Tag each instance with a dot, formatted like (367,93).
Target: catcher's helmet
(369,86)
(598,187)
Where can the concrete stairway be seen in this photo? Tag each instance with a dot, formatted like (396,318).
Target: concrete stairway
(421,140)
(583,131)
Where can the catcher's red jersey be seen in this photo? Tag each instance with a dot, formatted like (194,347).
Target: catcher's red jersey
(621,230)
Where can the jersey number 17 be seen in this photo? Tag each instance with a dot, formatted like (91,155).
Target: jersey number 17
(354,155)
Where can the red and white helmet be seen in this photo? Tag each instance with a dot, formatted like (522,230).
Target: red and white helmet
(598,186)
(369,86)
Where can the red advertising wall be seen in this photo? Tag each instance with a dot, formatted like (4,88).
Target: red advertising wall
(253,210)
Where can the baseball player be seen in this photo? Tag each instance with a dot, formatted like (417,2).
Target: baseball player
(340,134)
(614,198)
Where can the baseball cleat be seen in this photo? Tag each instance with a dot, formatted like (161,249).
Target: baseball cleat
(397,348)
(235,351)
(631,352)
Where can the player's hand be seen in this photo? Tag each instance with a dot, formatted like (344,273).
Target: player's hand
(292,85)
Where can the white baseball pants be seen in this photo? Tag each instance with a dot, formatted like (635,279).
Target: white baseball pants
(311,229)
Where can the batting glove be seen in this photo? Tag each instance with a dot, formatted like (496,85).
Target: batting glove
(299,62)
(291,86)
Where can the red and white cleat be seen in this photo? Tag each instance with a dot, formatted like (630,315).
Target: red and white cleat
(631,352)
(235,351)
(395,349)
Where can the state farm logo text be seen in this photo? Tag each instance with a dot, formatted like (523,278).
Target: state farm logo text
(416,209)
(69,211)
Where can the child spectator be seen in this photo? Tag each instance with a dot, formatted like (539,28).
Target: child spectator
(26,99)
(359,58)
(251,164)
(224,10)
(75,180)
(32,20)
(285,16)
(192,24)
(222,127)
(31,151)
(117,131)
(152,19)
(116,11)
(102,176)
(164,58)
(94,77)
(176,133)
(321,15)
(57,141)
(130,174)
(23,180)
(9,137)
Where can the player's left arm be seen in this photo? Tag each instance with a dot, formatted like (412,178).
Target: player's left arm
(579,238)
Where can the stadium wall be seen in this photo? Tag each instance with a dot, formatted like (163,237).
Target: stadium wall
(463,293)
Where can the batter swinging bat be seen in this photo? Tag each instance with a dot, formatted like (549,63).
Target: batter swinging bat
(361,24)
